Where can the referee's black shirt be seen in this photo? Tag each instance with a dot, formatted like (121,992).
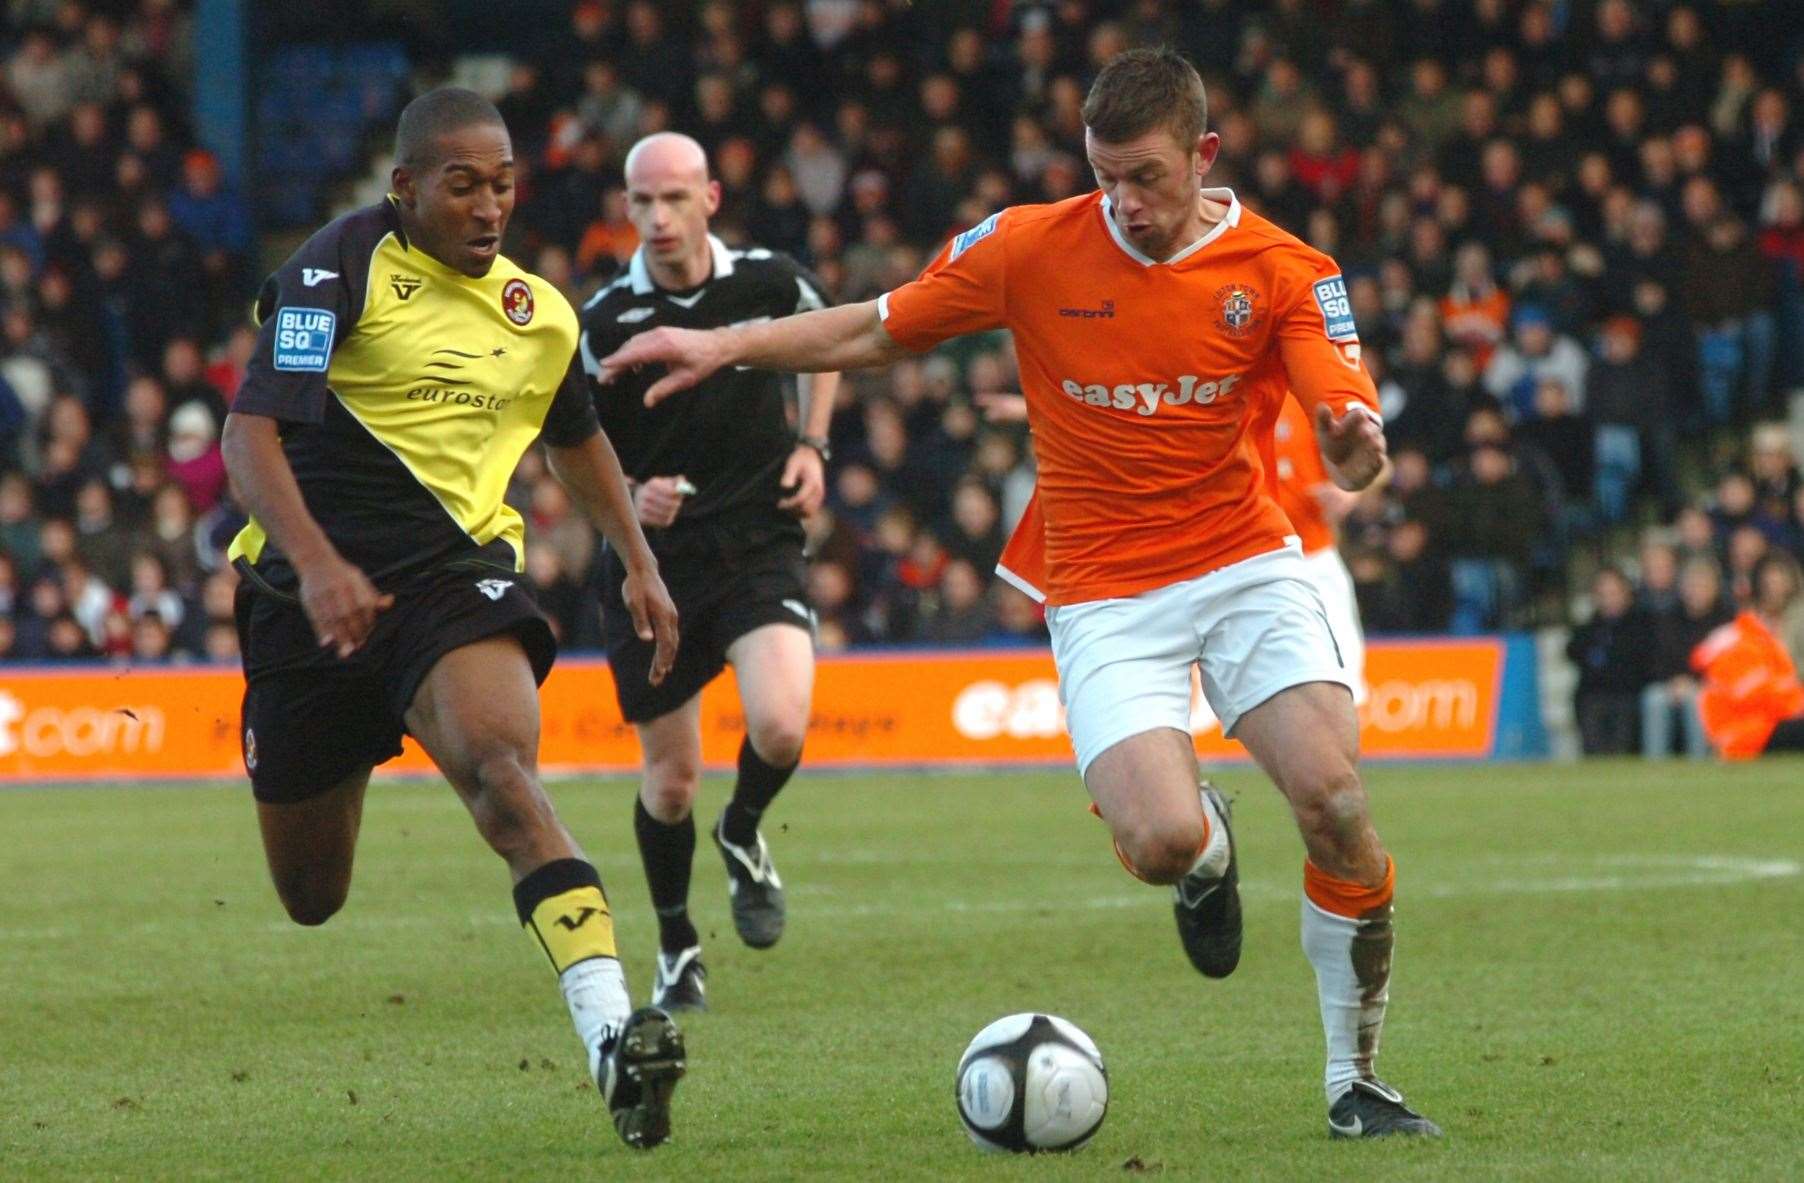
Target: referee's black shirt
(730,435)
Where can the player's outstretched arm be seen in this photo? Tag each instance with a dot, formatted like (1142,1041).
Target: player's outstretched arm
(850,337)
(591,471)
(340,601)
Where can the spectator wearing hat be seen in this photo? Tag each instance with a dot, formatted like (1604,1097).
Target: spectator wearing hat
(1534,352)
(194,460)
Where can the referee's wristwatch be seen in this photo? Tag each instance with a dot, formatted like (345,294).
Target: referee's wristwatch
(818,443)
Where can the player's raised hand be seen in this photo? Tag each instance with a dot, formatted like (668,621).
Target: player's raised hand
(654,617)
(806,474)
(691,355)
(1352,444)
(658,500)
(1000,407)
(341,603)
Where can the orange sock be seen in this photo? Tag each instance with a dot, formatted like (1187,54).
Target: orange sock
(1343,897)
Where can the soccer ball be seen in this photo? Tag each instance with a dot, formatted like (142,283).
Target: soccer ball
(1032,1082)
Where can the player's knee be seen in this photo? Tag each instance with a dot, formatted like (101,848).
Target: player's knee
(778,741)
(310,903)
(1163,853)
(671,783)
(670,801)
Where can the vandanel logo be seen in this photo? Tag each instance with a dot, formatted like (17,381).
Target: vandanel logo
(1106,312)
(405,285)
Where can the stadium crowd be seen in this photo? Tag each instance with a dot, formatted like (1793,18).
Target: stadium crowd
(1573,234)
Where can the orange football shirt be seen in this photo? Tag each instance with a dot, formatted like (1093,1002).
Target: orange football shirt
(1299,471)
(1152,387)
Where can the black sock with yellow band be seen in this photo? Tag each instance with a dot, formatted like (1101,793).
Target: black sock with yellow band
(562,904)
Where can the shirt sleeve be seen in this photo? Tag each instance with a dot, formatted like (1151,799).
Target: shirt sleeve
(1317,340)
(962,291)
(304,313)
(807,294)
(571,420)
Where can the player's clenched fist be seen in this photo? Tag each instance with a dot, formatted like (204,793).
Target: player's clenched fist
(657,501)
(690,354)
(341,603)
(1352,444)
(654,616)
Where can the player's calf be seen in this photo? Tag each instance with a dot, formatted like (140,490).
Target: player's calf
(1333,818)
(513,814)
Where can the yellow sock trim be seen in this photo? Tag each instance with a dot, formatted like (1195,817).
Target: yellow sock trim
(574,926)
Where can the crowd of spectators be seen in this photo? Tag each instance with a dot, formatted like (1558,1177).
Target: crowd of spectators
(125,265)
(1573,234)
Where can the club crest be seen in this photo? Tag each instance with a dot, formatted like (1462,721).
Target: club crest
(1240,310)
(516,302)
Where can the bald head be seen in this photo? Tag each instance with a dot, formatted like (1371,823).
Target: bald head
(664,156)
(670,198)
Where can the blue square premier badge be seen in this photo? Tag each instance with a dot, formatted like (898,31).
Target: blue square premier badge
(974,235)
(1337,309)
(304,339)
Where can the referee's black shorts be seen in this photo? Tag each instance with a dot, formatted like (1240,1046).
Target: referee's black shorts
(725,582)
(310,719)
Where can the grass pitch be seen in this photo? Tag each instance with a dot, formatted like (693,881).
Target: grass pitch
(1598,977)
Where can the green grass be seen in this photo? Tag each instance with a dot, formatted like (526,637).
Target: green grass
(1598,977)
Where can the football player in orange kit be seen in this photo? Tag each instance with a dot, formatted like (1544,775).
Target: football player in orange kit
(1159,325)
(1309,497)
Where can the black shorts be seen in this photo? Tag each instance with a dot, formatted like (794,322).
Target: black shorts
(725,584)
(310,719)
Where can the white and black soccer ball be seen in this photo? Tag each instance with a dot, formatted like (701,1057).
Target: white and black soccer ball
(1032,1082)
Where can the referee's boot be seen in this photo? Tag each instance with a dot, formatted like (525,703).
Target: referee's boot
(681,983)
(1207,901)
(755,889)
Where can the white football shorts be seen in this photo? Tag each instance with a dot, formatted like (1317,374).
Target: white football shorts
(1328,571)
(1252,629)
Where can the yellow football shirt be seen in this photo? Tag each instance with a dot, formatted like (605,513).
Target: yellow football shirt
(407,392)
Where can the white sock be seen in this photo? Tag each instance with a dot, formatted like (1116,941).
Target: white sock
(1352,960)
(1213,859)
(595,992)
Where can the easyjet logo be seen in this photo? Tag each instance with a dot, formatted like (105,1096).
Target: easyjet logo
(991,710)
(1145,398)
(43,732)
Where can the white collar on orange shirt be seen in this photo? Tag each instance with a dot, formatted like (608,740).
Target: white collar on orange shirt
(1229,220)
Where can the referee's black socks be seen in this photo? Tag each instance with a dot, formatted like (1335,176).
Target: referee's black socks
(758,785)
(668,852)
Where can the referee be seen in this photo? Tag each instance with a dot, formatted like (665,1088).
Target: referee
(720,482)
